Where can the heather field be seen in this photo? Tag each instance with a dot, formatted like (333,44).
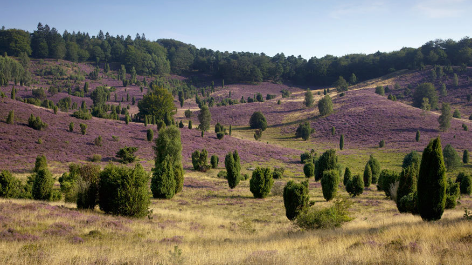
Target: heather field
(209,223)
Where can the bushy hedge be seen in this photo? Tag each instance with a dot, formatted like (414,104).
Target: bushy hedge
(327,218)
(124,191)
(36,123)
(296,198)
(261,182)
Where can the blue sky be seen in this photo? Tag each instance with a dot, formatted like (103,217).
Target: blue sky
(296,27)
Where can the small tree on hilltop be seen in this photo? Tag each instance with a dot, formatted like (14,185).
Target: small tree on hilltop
(329,184)
(258,121)
(11,117)
(325,105)
(432,182)
(296,198)
(445,117)
(204,117)
(452,159)
(261,182)
(308,99)
(304,130)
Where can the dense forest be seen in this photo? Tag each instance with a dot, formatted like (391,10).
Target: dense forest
(166,56)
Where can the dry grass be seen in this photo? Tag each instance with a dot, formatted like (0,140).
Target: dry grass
(211,224)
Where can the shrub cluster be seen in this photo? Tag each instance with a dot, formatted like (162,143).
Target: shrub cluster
(36,123)
(304,131)
(199,160)
(261,182)
(296,198)
(126,154)
(327,218)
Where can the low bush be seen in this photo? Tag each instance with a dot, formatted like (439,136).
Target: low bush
(124,191)
(466,185)
(126,154)
(355,186)
(199,160)
(98,141)
(278,173)
(222,174)
(214,160)
(327,218)
(386,179)
(83,128)
(96,158)
(10,187)
(308,157)
(296,198)
(261,182)
(36,123)
(452,194)
(83,115)
(149,135)
(309,170)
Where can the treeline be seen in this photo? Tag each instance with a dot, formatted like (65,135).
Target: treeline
(171,56)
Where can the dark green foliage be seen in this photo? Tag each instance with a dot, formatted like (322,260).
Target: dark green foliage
(188,113)
(98,141)
(261,182)
(445,118)
(257,134)
(219,128)
(380,90)
(82,114)
(309,101)
(230,130)
(190,125)
(40,163)
(199,160)
(83,128)
(127,119)
(465,157)
(233,169)
(278,173)
(375,167)
(386,180)
(42,185)
(456,114)
(296,198)
(71,127)
(160,125)
(11,117)
(181,125)
(452,159)
(87,186)
(304,131)
(381,143)
(466,185)
(432,182)
(99,96)
(124,191)
(452,194)
(329,184)
(417,138)
(36,123)
(10,187)
(326,218)
(408,203)
(204,117)
(163,180)
(341,84)
(214,160)
(412,158)
(258,121)
(309,170)
(220,135)
(367,175)
(407,185)
(465,127)
(347,176)
(341,142)
(126,154)
(425,90)
(327,161)
(355,186)
(150,134)
(169,143)
(325,106)
(308,157)
(159,103)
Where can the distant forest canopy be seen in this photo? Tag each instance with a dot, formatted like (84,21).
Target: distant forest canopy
(166,56)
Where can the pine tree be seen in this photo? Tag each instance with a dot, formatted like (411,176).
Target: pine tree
(341,142)
(432,182)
